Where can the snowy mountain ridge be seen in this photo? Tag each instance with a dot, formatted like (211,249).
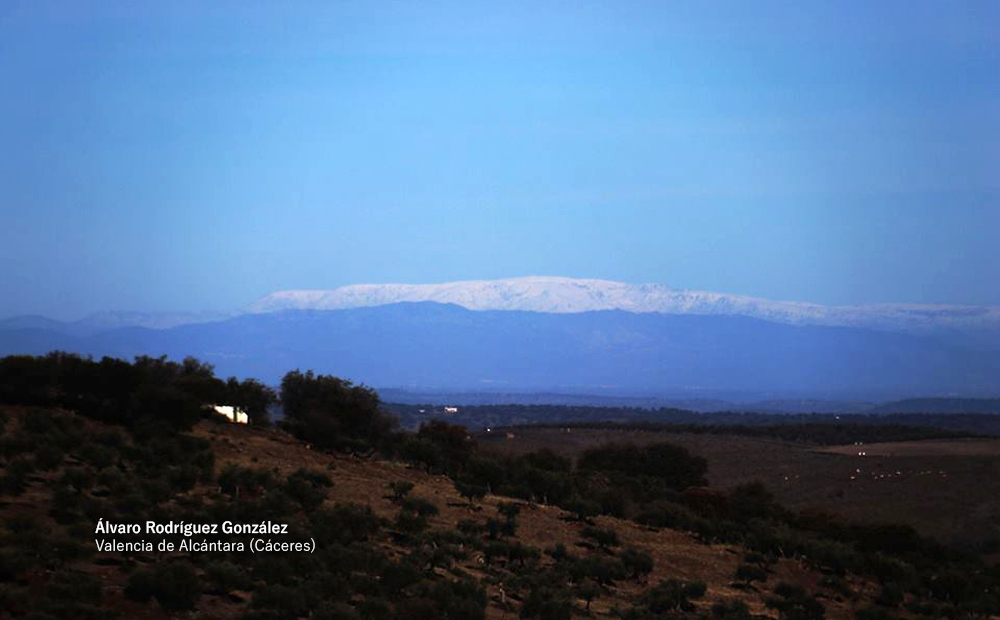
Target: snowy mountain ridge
(561,295)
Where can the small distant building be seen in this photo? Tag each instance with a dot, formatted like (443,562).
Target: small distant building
(451,409)
(234,414)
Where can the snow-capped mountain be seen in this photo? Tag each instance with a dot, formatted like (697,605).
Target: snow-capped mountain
(536,335)
(567,295)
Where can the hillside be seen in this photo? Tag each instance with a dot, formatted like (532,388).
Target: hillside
(363,482)
(339,515)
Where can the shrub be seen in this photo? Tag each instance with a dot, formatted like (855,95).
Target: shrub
(420,506)
(604,537)
(14,600)
(308,488)
(496,527)
(63,550)
(141,585)
(509,510)
(547,603)
(183,478)
(97,455)
(450,444)
(13,563)
(672,595)
(177,587)
(400,489)
(602,570)
(748,573)
(284,601)
(80,478)
(470,527)
(838,585)
(374,608)
(637,563)
(558,552)
(334,413)
(471,492)
(225,576)
(547,460)
(667,514)
(253,397)
(410,523)
(732,610)
(582,509)
(516,552)
(233,479)
(14,480)
(752,501)
(672,465)
(65,506)
(323,585)
(157,410)
(334,611)
(588,590)
(458,600)
(73,586)
(891,595)
(795,604)
(48,457)
(344,523)
(874,613)
(113,478)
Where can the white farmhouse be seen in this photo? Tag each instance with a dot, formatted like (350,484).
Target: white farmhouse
(234,414)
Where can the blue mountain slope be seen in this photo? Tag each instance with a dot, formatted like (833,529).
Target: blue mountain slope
(443,346)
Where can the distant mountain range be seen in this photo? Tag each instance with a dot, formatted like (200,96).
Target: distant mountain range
(431,346)
(568,295)
(557,295)
(112,320)
(581,339)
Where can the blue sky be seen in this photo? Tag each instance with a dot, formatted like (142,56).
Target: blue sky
(198,155)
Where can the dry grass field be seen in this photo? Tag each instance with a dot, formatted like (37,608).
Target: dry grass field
(946,489)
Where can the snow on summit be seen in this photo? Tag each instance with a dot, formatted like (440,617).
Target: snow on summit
(568,295)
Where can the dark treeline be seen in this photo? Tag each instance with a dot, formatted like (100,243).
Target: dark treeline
(482,416)
(151,391)
(824,434)
(152,465)
(143,464)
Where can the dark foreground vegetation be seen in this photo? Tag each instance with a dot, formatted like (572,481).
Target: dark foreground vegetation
(91,440)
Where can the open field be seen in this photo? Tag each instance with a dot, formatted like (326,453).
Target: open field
(929,447)
(946,489)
